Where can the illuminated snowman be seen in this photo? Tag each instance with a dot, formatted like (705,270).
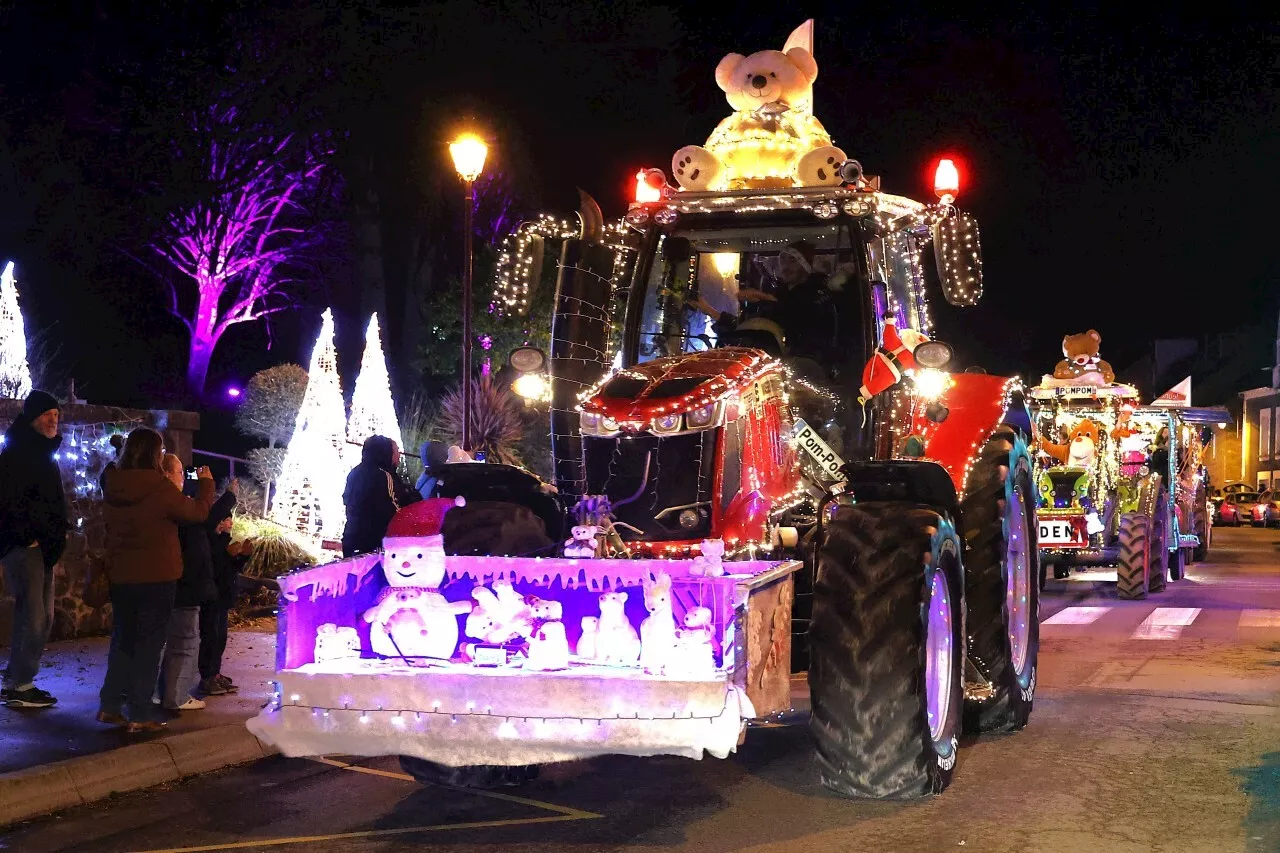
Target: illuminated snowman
(411,617)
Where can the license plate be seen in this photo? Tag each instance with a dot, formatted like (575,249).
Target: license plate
(1062,533)
(818,450)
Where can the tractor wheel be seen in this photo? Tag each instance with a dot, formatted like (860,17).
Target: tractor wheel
(1158,537)
(1201,552)
(1001,567)
(1135,556)
(887,651)
(1178,564)
(481,776)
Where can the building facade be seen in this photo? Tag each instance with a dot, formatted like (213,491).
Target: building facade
(1260,449)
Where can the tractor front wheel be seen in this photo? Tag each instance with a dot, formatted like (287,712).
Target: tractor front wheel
(887,651)
(1135,556)
(1201,552)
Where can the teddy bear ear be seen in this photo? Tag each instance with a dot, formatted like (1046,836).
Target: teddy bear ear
(1097,338)
(804,60)
(726,69)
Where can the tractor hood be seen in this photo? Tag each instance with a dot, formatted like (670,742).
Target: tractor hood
(635,396)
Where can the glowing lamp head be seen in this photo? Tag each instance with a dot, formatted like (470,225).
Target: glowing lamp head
(468,152)
(233,392)
(946,181)
(649,185)
(930,384)
(530,386)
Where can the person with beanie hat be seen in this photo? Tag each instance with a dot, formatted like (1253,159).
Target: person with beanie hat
(33,534)
(374,494)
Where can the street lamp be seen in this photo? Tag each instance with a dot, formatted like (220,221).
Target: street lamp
(468,152)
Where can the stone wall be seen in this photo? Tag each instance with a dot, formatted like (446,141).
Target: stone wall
(86,433)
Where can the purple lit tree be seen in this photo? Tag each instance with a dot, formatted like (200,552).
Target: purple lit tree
(240,240)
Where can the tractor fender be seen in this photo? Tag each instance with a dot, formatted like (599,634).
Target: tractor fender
(975,405)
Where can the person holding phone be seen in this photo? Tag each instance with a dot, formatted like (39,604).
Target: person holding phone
(143,509)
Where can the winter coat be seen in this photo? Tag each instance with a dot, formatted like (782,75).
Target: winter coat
(142,510)
(198,585)
(373,495)
(33,507)
(433,453)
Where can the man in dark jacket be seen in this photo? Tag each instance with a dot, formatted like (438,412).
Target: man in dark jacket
(196,588)
(33,534)
(373,495)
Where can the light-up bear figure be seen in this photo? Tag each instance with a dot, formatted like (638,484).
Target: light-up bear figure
(411,617)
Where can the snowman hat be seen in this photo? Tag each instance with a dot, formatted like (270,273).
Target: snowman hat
(421,519)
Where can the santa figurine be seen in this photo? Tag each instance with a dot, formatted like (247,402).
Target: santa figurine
(894,357)
(411,618)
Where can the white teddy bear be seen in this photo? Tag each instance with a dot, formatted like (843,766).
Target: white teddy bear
(710,561)
(583,544)
(772,140)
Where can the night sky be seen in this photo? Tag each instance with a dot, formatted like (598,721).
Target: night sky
(1123,165)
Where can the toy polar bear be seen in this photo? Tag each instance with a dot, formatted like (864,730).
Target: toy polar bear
(772,140)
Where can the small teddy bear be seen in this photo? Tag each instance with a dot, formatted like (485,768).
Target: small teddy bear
(583,543)
(695,655)
(1081,364)
(772,138)
(709,562)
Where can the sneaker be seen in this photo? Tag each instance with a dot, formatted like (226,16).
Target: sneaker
(29,697)
(112,719)
(192,704)
(227,682)
(146,727)
(213,687)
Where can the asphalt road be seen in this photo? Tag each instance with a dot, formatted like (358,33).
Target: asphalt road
(1156,729)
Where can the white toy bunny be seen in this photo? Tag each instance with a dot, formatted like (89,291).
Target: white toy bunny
(658,631)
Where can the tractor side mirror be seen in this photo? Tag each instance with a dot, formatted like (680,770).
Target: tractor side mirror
(957,254)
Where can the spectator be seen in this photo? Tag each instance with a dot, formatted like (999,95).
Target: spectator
(142,510)
(228,561)
(33,534)
(434,453)
(373,495)
(196,588)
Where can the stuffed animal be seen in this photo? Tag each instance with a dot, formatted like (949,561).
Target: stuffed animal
(658,630)
(583,543)
(503,614)
(772,139)
(1081,447)
(548,645)
(616,639)
(411,617)
(695,655)
(1081,365)
(586,649)
(709,561)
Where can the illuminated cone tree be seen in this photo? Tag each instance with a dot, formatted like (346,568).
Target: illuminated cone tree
(15,374)
(373,412)
(309,496)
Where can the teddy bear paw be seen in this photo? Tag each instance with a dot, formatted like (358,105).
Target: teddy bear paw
(696,168)
(820,167)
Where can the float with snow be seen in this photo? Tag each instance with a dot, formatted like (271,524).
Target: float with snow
(518,660)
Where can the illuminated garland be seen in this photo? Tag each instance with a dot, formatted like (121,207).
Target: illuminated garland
(515,263)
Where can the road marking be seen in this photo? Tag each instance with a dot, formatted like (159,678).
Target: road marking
(1260,619)
(1076,616)
(1166,623)
(563,814)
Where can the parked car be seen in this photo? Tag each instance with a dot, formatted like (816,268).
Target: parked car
(1237,508)
(1266,511)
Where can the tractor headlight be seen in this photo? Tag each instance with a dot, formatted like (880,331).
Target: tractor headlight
(667,424)
(930,383)
(703,417)
(594,423)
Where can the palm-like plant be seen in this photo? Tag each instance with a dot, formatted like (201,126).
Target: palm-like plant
(497,420)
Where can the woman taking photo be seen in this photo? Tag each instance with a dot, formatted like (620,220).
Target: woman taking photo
(142,509)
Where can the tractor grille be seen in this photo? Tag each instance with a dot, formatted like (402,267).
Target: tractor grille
(681,473)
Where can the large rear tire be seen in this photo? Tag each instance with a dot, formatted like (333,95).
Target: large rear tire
(886,651)
(481,776)
(1135,556)
(1158,537)
(1201,552)
(1001,592)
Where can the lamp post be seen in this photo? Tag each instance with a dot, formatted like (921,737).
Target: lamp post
(468,152)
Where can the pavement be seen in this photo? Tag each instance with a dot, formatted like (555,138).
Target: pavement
(1156,730)
(51,758)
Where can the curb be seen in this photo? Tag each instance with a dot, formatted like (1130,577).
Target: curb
(85,779)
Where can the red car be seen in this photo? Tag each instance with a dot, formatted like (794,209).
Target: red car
(1237,508)
(1266,511)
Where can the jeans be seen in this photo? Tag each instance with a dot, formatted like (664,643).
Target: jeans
(31,586)
(141,616)
(181,648)
(213,638)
